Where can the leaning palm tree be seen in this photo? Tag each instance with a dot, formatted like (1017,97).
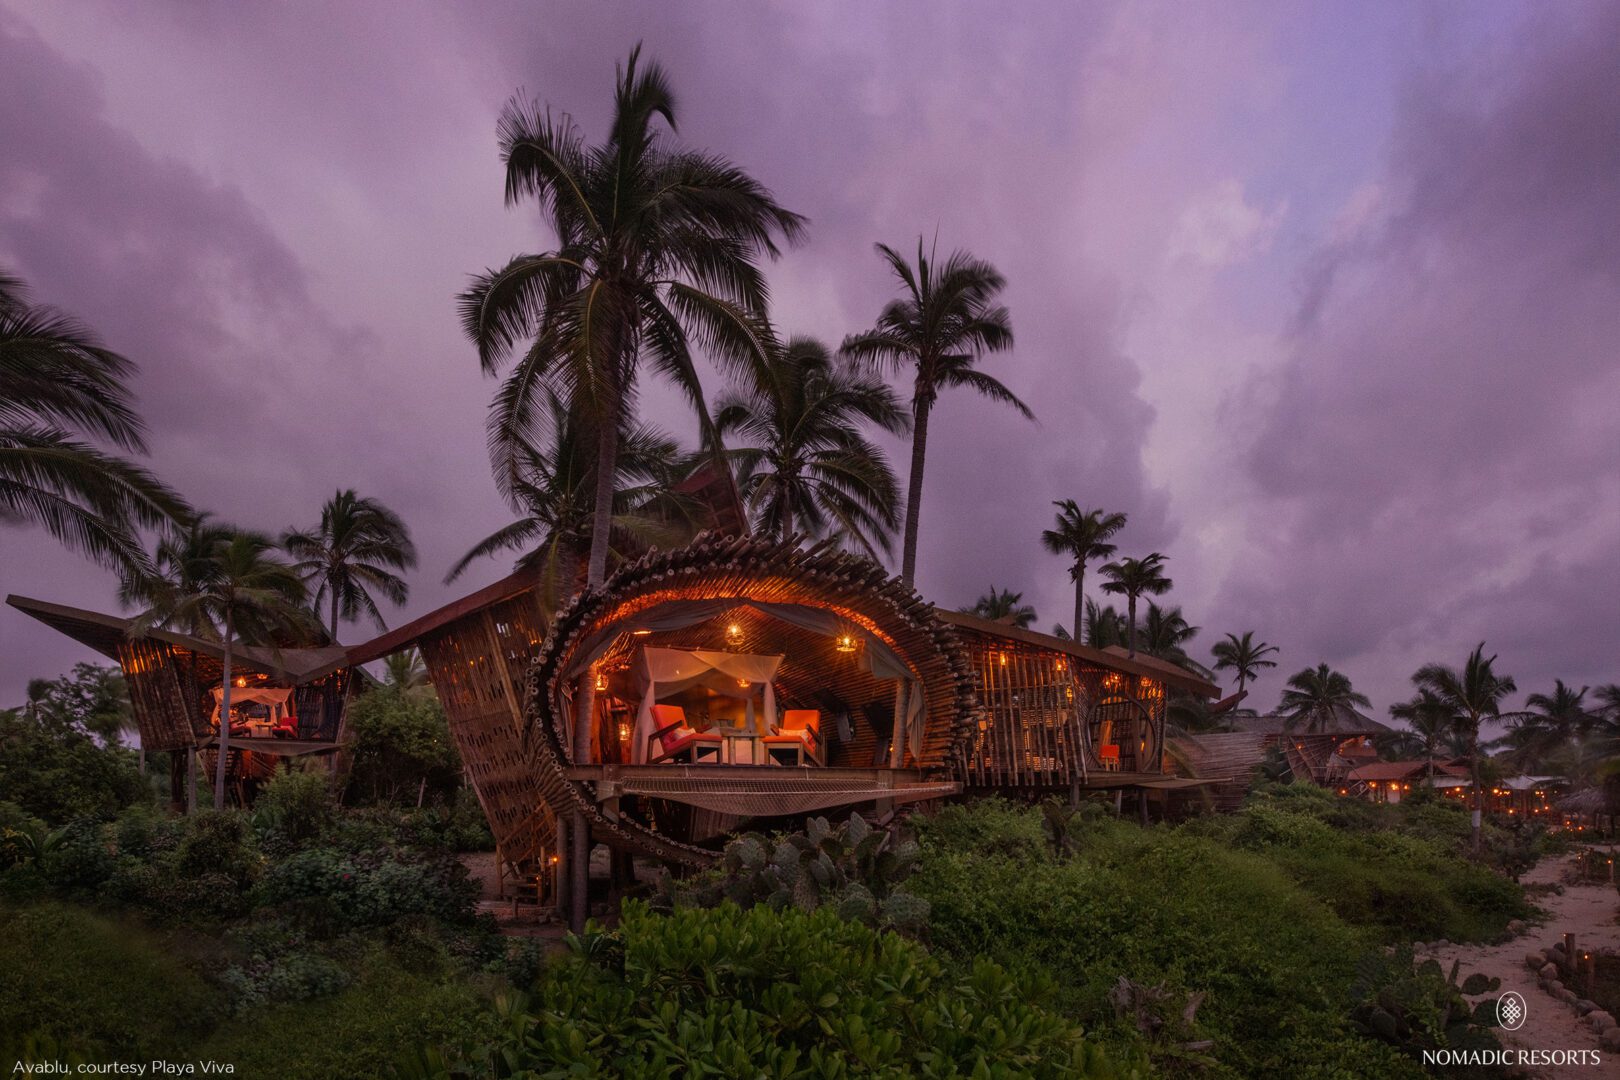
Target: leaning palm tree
(1133,578)
(946,319)
(1082,535)
(251,596)
(657,249)
(1472,695)
(1243,656)
(1431,721)
(59,386)
(804,464)
(353,552)
(553,493)
(1317,697)
(1003,605)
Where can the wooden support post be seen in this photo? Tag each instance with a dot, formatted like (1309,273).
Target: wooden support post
(559,877)
(579,877)
(1119,800)
(1141,798)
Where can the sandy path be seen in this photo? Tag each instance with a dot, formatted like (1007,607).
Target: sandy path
(1590,913)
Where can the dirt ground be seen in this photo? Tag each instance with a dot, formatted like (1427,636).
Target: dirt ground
(1592,914)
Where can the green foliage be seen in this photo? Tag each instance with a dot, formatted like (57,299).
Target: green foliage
(53,769)
(1418,1008)
(92,699)
(332,889)
(295,806)
(855,869)
(401,741)
(1170,910)
(784,994)
(99,987)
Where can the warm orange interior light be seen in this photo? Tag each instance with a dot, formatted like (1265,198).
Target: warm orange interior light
(241,680)
(641,632)
(846,642)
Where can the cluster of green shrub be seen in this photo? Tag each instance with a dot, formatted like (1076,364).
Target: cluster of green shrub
(775,993)
(1254,923)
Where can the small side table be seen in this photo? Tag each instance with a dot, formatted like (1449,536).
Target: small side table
(740,748)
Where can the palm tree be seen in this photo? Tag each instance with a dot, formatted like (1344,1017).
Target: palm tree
(1243,656)
(1132,578)
(1471,695)
(1082,535)
(656,248)
(1165,633)
(1104,626)
(353,551)
(58,386)
(1003,605)
(252,596)
(553,492)
(806,466)
(1317,697)
(404,671)
(1431,721)
(1551,723)
(184,556)
(945,320)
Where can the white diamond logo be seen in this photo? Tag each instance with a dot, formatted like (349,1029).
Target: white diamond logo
(1511,1011)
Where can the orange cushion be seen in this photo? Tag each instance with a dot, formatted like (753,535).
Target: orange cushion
(801,720)
(664,715)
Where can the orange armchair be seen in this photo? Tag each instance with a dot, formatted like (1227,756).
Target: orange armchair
(675,738)
(1108,756)
(799,733)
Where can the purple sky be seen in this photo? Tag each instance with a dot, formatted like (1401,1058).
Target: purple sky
(1326,297)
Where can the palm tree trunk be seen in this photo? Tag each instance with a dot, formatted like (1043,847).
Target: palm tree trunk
(1079,601)
(1479,794)
(334,616)
(1240,682)
(579,833)
(224,719)
(1130,630)
(919,452)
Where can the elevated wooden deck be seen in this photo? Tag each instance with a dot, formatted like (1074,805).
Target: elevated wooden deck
(761,790)
(277,747)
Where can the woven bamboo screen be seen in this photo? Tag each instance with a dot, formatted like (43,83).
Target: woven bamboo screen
(165,713)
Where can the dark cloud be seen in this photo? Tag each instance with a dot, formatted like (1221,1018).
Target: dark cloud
(272,211)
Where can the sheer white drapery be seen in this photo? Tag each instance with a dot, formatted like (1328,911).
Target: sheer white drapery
(660,672)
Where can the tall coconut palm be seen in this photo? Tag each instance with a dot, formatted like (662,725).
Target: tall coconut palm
(1431,721)
(1082,535)
(1104,626)
(1473,694)
(657,249)
(253,597)
(945,320)
(554,489)
(1243,657)
(803,463)
(353,552)
(1317,697)
(59,386)
(1133,578)
(405,672)
(1003,605)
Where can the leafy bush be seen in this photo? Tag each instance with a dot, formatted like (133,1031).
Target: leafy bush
(401,748)
(295,806)
(54,770)
(220,842)
(1168,909)
(726,992)
(336,890)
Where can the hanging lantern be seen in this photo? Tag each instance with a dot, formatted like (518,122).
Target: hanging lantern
(846,643)
(601,680)
(734,634)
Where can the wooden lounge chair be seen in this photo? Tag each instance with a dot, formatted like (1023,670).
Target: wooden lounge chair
(798,736)
(675,738)
(286,728)
(1108,756)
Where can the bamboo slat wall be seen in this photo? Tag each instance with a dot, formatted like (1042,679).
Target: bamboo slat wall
(1045,712)
(476,665)
(163,709)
